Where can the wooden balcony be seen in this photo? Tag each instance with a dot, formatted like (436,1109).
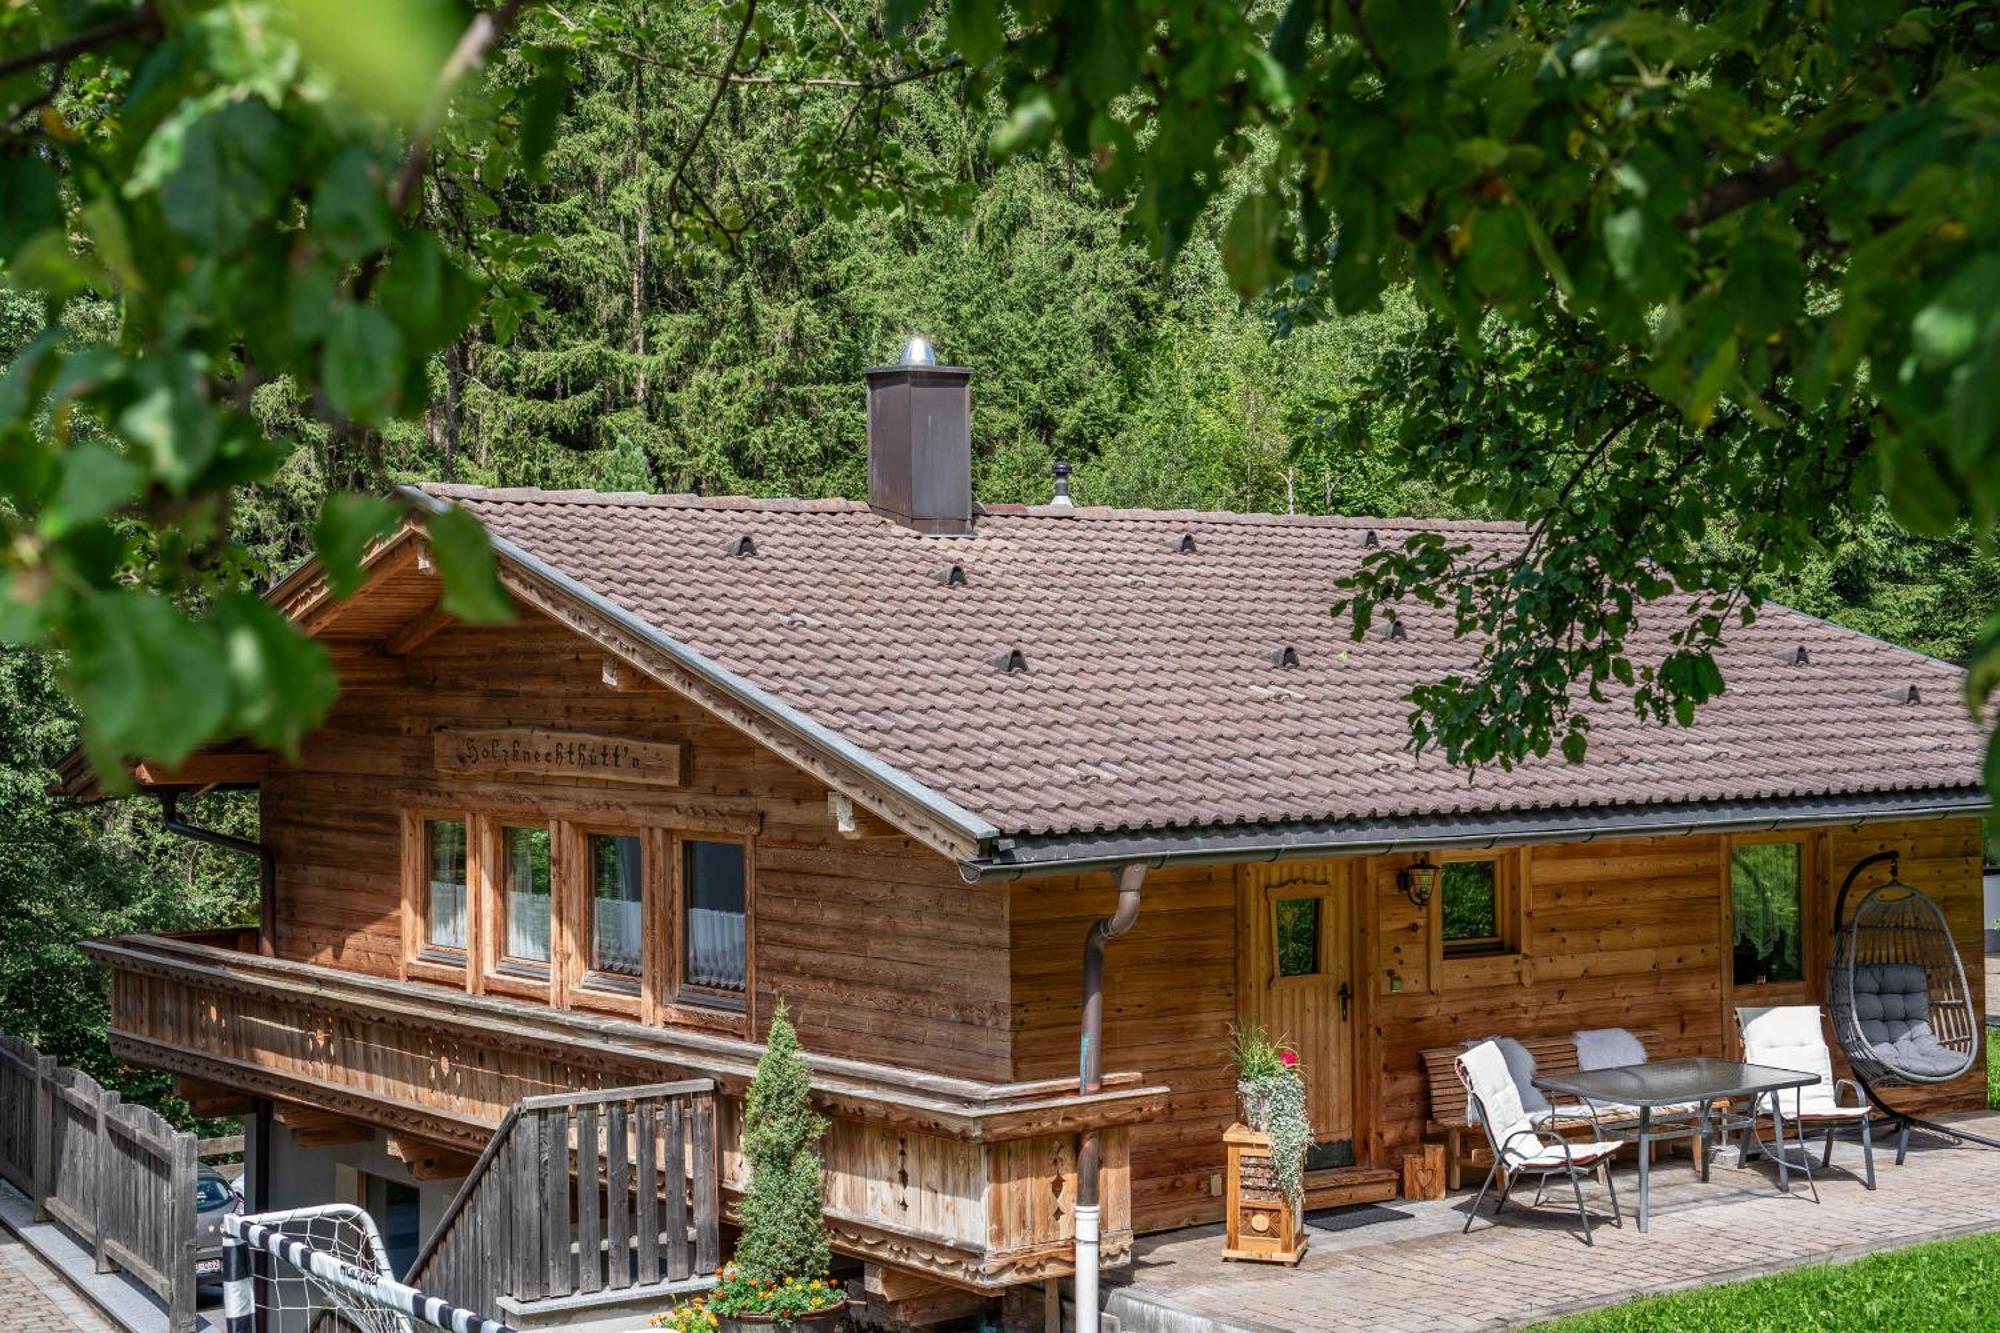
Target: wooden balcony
(972,1183)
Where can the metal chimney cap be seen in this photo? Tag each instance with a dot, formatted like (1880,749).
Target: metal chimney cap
(918,352)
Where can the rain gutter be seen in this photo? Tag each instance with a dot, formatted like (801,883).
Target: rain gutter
(1080,853)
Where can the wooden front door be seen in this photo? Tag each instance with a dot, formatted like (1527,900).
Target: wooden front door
(1297,982)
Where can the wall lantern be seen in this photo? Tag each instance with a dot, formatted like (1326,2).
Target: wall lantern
(1418,880)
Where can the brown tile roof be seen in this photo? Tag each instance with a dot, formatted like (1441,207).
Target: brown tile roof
(1151,696)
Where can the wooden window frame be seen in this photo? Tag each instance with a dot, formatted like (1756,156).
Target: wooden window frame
(682,1001)
(422,960)
(585,986)
(662,995)
(500,974)
(1811,965)
(1506,908)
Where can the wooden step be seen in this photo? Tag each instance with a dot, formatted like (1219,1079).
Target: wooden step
(1343,1185)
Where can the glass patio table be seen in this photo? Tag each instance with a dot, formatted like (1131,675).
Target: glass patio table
(1691,1087)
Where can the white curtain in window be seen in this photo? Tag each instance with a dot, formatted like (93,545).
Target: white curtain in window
(615,927)
(528,926)
(715,948)
(446,914)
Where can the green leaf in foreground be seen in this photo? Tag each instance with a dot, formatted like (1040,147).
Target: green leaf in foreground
(148,677)
(471,575)
(282,683)
(347,524)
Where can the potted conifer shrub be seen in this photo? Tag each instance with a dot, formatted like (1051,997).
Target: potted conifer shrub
(778,1276)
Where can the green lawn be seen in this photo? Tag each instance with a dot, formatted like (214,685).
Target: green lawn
(1949,1285)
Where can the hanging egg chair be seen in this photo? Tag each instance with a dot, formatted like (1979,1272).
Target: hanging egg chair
(1902,1012)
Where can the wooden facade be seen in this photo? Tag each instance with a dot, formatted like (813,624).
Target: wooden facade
(1632,932)
(942,1016)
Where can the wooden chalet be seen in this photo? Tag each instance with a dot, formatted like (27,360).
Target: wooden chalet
(891,762)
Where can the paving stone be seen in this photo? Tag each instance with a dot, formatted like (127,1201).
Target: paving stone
(34,1300)
(1418,1272)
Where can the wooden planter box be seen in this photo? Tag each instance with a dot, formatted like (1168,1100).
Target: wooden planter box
(1262,1226)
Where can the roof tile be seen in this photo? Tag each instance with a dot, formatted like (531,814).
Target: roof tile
(1151,696)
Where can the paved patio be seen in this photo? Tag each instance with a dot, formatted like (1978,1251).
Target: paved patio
(33,1299)
(1405,1266)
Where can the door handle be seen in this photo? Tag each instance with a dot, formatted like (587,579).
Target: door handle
(1346,993)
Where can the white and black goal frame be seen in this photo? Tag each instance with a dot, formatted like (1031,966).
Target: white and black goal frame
(375,1289)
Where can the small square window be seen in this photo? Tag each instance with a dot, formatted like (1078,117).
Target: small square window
(713,881)
(617,862)
(524,856)
(1469,892)
(1297,922)
(1765,880)
(444,884)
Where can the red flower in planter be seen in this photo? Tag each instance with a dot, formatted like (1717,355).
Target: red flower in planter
(1290,1057)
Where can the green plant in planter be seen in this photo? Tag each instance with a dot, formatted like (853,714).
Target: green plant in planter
(1272,1096)
(779,1270)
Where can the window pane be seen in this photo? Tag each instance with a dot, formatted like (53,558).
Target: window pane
(1298,937)
(1471,909)
(526,855)
(712,878)
(1764,882)
(444,898)
(614,908)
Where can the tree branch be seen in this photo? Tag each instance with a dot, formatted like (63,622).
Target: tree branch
(480,36)
(714,101)
(1770,177)
(138,23)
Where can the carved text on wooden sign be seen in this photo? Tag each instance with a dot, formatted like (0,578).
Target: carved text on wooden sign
(540,753)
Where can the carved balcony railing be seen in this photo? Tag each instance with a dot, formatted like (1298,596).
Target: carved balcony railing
(970,1182)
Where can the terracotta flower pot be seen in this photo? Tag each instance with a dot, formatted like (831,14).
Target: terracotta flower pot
(820,1321)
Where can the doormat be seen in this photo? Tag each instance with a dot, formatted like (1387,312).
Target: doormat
(1353,1216)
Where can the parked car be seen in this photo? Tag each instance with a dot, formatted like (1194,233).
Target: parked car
(214,1199)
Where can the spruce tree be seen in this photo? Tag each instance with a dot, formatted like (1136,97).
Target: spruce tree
(784,1234)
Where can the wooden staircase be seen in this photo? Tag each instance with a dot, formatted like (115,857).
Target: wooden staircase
(583,1198)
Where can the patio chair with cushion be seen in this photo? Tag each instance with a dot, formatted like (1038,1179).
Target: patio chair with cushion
(1519,1148)
(1792,1037)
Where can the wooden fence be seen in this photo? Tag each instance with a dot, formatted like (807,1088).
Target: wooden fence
(119,1177)
(580,1193)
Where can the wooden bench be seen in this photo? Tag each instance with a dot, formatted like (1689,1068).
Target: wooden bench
(1465,1144)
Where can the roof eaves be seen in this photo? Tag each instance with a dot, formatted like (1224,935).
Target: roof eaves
(1073,853)
(821,737)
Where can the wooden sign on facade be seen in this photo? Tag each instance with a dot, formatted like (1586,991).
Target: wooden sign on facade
(536,752)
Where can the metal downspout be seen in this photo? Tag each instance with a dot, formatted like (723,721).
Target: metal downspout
(267,866)
(1090,1079)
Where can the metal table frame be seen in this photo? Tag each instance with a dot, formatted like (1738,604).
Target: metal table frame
(1706,1082)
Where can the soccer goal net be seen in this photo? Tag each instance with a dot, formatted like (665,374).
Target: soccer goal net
(325,1270)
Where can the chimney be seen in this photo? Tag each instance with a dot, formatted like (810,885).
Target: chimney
(920,442)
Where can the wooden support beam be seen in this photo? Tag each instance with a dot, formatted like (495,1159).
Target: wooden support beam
(412,635)
(428,1160)
(622,675)
(211,1100)
(314,1128)
(899,1284)
(206,770)
(855,822)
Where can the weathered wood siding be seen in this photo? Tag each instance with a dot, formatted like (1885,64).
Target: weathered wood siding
(880,949)
(1632,932)
(1169,1000)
